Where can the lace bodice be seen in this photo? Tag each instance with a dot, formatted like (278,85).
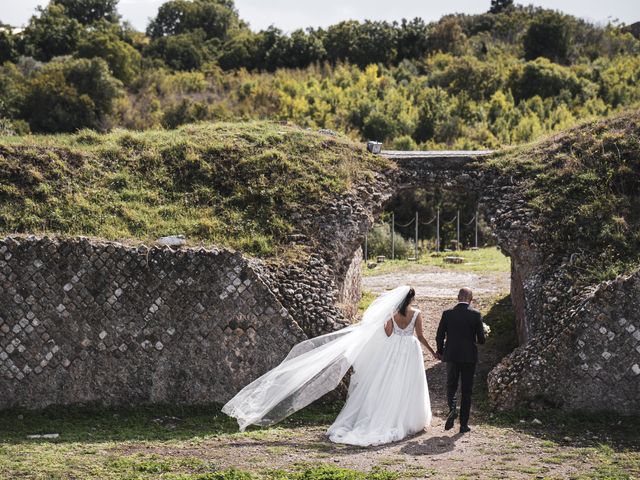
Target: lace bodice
(408,330)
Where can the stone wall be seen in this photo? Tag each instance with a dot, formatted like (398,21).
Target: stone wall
(579,348)
(89,321)
(92,321)
(589,359)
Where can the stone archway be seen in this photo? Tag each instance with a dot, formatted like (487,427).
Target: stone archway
(579,346)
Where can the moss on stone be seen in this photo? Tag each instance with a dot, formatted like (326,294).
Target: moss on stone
(584,191)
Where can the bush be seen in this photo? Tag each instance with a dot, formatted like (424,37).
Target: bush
(124,61)
(70,94)
(379,243)
(544,78)
(549,36)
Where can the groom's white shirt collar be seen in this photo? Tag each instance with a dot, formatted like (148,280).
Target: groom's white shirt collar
(466,303)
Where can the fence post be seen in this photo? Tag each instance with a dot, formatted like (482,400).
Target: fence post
(366,253)
(438,230)
(393,235)
(458,228)
(476,244)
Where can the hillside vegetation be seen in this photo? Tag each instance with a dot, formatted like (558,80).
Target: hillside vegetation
(505,77)
(585,191)
(236,185)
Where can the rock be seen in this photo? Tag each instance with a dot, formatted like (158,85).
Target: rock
(452,259)
(326,131)
(172,241)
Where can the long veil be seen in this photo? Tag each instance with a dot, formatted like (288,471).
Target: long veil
(313,367)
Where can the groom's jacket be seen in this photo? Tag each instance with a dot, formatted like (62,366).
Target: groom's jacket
(459,330)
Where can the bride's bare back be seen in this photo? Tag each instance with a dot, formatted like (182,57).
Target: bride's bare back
(403,322)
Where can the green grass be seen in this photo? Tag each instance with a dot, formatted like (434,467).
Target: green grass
(240,185)
(582,186)
(488,259)
(95,443)
(365,300)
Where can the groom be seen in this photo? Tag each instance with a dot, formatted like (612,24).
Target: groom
(462,328)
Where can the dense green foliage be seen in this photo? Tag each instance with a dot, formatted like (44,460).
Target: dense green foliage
(236,185)
(467,81)
(585,186)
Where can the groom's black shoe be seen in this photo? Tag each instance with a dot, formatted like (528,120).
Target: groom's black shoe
(464,429)
(453,414)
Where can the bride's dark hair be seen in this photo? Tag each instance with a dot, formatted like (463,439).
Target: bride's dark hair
(407,300)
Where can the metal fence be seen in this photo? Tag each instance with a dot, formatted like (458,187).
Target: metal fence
(416,222)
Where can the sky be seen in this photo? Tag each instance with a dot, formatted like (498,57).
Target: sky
(291,14)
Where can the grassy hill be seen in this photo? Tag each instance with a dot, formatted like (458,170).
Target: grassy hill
(233,184)
(584,188)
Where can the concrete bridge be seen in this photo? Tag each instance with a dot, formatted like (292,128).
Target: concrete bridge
(434,154)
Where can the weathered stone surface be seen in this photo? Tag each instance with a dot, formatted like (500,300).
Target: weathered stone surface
(85,321)
(583,356)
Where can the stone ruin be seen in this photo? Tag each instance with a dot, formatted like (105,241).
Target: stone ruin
(94,322)
(89,321)
(579,348)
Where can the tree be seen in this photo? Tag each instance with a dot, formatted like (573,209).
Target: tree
(241,51)
(499,6)
(70,94)
(447,36)
(298,50)
(216,18)
(362,44)
(549,36)
(412,40)
(88,12)
(51,33)
(8,50)
(123,60)
(185,51)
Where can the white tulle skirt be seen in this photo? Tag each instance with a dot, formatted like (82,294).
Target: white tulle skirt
(388,397)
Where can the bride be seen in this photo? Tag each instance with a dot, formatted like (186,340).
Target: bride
(388,398)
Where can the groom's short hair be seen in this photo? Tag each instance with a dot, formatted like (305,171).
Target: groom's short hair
(465,294)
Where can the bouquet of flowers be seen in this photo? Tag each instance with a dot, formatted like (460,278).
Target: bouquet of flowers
(486,328)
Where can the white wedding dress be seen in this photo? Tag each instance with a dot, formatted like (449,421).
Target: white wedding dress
(388,397)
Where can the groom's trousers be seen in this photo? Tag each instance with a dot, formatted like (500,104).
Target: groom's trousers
(460,372)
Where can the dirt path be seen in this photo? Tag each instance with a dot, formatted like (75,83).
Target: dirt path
(433,283)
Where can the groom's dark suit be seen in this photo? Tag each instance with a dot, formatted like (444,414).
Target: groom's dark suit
(462,328)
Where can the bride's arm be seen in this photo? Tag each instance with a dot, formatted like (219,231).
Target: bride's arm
(388,327)
(420,334)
